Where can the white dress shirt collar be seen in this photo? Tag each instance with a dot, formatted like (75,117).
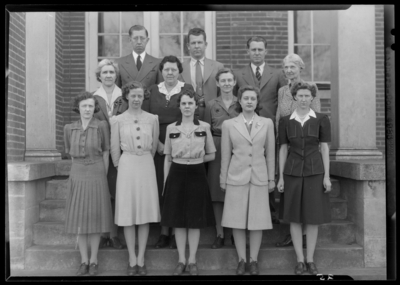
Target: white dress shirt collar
(194,61)
(296,116)
(142,56)
(102,93)
(176,90)
(254,67)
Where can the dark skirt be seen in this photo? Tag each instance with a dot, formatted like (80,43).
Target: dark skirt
(112,178)
(214,170)
(305,201)
(159,165)
(186,200)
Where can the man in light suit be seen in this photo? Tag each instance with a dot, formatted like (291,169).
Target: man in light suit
(138,65)
(203,81)
(268,80)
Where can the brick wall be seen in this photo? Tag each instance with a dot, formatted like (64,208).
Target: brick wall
(234,28)
(59,80)
(16,89)
(380,78)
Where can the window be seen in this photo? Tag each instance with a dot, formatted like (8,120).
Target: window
(107,35)
(309,37)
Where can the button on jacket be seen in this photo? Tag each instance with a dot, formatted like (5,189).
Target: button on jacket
(247,158)
(192,145)
(304,158)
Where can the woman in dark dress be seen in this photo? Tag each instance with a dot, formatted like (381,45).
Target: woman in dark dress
(304,173)
(163,101)
(187,201)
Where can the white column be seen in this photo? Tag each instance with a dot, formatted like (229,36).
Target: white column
(353,99)
(40,87)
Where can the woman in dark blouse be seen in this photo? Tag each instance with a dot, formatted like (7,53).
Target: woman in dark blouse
(163,101)
(304,173)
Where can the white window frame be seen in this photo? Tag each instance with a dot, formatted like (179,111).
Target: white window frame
(151,22)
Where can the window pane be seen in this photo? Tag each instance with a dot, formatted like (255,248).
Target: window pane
(108,46)
(322,30)
(126,46)
(185,49)
(170,45)
(302,27)
(322,63)
(130,19)
(170,22)
(108,22)
(193,20)
(305,53)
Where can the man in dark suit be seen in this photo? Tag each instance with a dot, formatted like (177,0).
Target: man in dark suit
(268,80)
(138,65)
(203,81)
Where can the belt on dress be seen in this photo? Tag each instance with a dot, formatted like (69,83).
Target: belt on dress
(86,160)
(188,160)
(138,152)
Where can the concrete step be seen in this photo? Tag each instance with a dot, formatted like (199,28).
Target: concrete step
(66,257)
(335,192)
(265,274)
(56,189)
(339,231)
(53,210)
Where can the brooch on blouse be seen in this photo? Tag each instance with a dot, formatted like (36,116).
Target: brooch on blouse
(258,124)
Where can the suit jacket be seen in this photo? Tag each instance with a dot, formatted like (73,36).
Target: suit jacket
(271,81)
(148,75)
(211,68)
(247,157)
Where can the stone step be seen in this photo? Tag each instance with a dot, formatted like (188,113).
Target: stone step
(265,274)
(53,210)
(339,231)
(64,257)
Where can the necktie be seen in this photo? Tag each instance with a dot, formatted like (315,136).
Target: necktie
(199,79)
(258,75)
(138,63)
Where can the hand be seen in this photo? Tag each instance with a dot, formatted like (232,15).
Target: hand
(223,190)
(327,185)
(280,185)
(271,186)
(160,148)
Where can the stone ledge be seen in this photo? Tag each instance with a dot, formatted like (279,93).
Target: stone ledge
(368,169)
(33,170)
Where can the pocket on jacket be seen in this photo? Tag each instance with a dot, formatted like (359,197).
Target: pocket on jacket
(288,166)
(291,131)
(317,166)
(174,135)
(313,130)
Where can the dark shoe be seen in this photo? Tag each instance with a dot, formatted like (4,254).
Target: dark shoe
(192,267)
(172,242)
(179,268)
(115,243)
(103,242)
(312,269)
(132,270)
(93,269)
(286,242)
(254,268)
(241,269)
(232,240)
(219,242)
(83,269)
(300,268)
(163,241)
(275,221)
(142,270)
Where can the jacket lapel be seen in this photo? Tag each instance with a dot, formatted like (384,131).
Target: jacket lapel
(186,75)
(241,127)
(257,125)
(248,76)
(103,105)
(147,65)
(130,66)
(208,68)
(266,76)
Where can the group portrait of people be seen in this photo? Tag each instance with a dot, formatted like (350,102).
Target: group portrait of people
(191,145)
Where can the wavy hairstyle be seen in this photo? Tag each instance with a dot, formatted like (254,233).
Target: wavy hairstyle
(84,95)
(191,94)
(303,85)
(243,89)
(134,85)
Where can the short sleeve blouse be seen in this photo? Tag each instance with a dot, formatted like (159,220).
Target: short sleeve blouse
(192,145)
(88,143)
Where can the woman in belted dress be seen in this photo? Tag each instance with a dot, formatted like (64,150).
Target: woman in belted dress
(304,173)
(88,207)
(187,201)
(136,202)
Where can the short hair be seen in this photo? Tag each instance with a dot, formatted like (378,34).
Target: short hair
(191,94)
(134,85)
(224,70)
(137,28)
(171,59)
(257,39)
(243,89)
(84,95)
(103,63)
(296,59)
(197,32)
(303,85)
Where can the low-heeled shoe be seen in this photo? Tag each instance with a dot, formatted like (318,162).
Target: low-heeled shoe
(253,268)
(241,269)
(192,268)
(219,242)
(103,242)
(300,268)
(115,243)
(142,270)
(163,241)
(172,242)
(132,270)
(83,269)
(312,269)
(93,268)
(180,267)
(289,242)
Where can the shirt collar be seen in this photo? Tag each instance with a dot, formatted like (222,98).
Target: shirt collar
(194,61)
(254,67)
(251,121)
(102,93)
(142,55)
(296,116)
(176,90)
(195,121)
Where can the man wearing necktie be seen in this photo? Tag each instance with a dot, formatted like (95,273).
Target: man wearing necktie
(259,74)
(139,65)
(200,71)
